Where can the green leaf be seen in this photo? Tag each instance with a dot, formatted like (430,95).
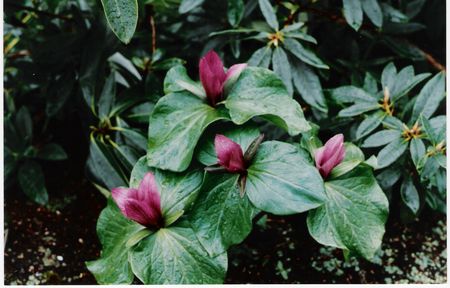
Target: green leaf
(417,150)
(373,11)
(268,13)
(177,80)
(261,57)
(24,124)
(178,190)
(430,97)
(177,123)
(175,256)
(32,182)
(310,141)
(369,124)
(104,166)
(301,36)
(235,12)
(389,176)
(53,152)
(282,181)
(381,138)
(354,215)
(352,94)
(107,97)
(308,85)
(122,16)
(353,13)
(353,157)
(414,7)
(370,84)
(243,135)
(114,231)
(220,217)
(391,152)
(434,128)
(392,122)
(303,54)
(405,81)
(188,5)
(258,92)
(119,60)
(409,194)
(358,109)
(388,76)
(55,101)
(281,67)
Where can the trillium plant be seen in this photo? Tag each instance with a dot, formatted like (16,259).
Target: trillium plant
(200,186)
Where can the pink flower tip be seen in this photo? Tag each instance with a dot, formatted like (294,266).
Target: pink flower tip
(229,154)
(143,204)
(330,155)
(213,76)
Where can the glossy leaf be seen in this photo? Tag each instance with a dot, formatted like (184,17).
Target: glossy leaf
(409,194)
(178,190)
(350,94)
(243,135)
(353,157)
(261,57)
(32,182)
(258,92)
(122,16)
(282,181)
(173,255)
(52,152)
(107,97)
(417,150)
(282,68)
(235,12)
(113,230)
(381,138)
(354,215)
(303,54)
(353,13)
(188,5)
(430,97)
(369,124)
(177,80)
(358,109)
(308,85)
(268,13)
(405,81)
(220,217)
(177,123)
(390,153)
(373,11)
(105,167)
(388,76)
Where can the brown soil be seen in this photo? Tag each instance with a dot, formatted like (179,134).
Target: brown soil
(50,246)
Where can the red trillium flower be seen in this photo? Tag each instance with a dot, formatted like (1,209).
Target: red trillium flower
(213,76)
(142,205)
(330,155)
(229,154)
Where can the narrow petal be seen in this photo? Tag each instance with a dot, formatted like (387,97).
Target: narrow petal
(318,156)
(330,155)
(121,195)
(142,205)
(332,146)
(234,71)
(212,76)
(229,154)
